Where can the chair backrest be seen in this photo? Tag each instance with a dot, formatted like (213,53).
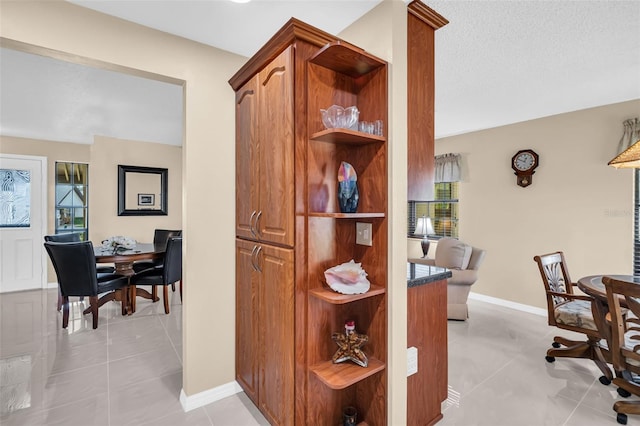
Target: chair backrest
(161,236)
(173,261)
(556,280)
(75,266)
(63,238)
(628,293)
(476,259)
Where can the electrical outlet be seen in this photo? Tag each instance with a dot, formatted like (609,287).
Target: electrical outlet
(363,234)
(412,360)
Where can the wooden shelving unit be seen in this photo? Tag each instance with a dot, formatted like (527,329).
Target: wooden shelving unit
(348,215)
(330,296)
(343,74)
(340,376)
(346,136)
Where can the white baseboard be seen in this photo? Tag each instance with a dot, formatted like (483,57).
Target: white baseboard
(508,304)
(207,397)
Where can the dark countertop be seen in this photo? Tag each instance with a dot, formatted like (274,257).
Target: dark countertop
(418,274)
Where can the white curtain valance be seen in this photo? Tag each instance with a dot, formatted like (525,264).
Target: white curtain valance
(630,135)
(447,168)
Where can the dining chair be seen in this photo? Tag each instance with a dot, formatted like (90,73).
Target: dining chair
(75,267)
(574,312)
(625,341)
(169,273)
(74,237)
(160,237)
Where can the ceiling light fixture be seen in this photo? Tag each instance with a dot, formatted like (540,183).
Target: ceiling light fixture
(629,158)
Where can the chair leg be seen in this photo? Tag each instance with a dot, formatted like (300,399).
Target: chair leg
(124,302)
(65,311)
(93,300)
(173,286)
(154,294)
(59,299)
(165,296)
(132,297)
(180,291)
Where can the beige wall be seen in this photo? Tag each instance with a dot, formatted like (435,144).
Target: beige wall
(106,155)
(576,202)
(103,158)
(208,215)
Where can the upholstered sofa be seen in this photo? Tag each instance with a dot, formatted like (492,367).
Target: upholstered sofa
(463,260)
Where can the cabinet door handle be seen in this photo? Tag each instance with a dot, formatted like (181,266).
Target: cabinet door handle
(253,232)
(258,216)
(258,268)
(253,258)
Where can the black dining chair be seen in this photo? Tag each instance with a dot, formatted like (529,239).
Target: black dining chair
(75,266)
(169,273)
(73,237)
(160,237)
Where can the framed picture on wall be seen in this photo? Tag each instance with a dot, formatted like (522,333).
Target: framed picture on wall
(146,199)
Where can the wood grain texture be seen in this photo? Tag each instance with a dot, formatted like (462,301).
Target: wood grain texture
(420,109)
(290,94)
(426,14)
(274,221)
(246,157)
(276,326)
(247,305)
(427,331)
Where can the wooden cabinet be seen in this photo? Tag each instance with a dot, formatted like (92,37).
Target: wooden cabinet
(264,154)
(287,168)
(265,318)
(422,22)
(427,331)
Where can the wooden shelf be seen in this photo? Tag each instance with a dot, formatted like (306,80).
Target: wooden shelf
(330,296)
(347,215)
(346,59)
(346,136)
(340,376)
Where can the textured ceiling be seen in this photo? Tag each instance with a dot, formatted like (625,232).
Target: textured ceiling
(497,63)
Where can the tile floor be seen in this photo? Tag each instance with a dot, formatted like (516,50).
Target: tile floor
(128,371)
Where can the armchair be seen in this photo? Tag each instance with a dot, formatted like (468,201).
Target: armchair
(464,261)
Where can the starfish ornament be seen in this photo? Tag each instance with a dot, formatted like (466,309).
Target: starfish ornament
(349,344)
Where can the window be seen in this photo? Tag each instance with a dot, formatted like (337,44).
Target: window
(72,202)
(443,211)
(636,225)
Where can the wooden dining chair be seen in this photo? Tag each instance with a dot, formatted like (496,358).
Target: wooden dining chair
(625,341)
(574,312)
(169,273)
(75,266)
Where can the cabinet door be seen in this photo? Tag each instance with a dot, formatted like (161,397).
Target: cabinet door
(247,305)
(276,181)
(247,173)
(277,334)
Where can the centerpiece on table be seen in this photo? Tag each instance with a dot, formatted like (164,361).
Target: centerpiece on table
(118,244)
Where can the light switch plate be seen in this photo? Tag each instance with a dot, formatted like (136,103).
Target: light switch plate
(363,234)
(412,360)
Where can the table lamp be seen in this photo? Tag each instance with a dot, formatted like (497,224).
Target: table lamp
(424,228)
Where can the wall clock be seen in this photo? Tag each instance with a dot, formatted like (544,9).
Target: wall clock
(524,163)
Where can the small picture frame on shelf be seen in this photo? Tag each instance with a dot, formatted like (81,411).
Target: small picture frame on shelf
(146,199)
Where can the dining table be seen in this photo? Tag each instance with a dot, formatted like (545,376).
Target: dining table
(123,260)
(593,286)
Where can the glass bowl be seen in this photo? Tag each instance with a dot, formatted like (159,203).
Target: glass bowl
(338,117)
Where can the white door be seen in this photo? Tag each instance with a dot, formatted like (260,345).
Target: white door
(22,222)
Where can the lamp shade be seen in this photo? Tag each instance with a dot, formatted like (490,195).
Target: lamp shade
(423,226)
(629,158)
